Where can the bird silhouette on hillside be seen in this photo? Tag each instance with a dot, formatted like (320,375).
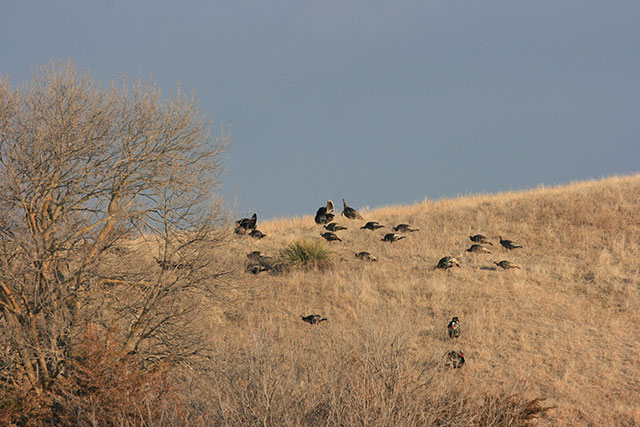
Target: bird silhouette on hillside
(257,234)
(404,228)
(372,225)
(505,265)
(350,212)
(392,237)
(313,319)
(245,224)
(330,237)
(454,328)
(508,244)
(447,262)
(334,227)
(478,249)
(454,359)
(479,238)
(366,256)
(325,214)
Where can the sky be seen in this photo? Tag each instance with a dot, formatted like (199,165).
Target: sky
(378,102)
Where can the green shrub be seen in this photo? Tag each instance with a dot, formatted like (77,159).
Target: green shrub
(307,253)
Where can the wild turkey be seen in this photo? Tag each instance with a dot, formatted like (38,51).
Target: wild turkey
(350,212)
(257,234)
(392,237)
(330,237)
(454,359)
(371,225)
(447,262)
(247,223)
(258,262)
(335,227)
(325,214)
(508,243)
(478,249)
(404,228)
(506,264)
(454,328)
(313,319)
(479,238)
(366,256)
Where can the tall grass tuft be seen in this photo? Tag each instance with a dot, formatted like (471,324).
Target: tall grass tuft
(307,253)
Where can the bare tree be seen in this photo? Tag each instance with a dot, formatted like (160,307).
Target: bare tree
(85,170)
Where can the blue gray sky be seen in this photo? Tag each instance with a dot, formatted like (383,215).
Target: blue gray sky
(379,102)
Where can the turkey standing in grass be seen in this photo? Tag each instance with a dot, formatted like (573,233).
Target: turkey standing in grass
(366,256)
(447,262)
(392,237)
(245,224)
(334,227)
(479,238)
(454,328)
(350,212)
(506,264)
(404,228)
(313,319)
(325,215)
(508,244)
(455,359)
(478,249)
(329,236)
(372,225)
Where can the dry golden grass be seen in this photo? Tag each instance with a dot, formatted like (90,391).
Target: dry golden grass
(563,327)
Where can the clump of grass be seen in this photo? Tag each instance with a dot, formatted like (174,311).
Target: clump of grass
(307,253)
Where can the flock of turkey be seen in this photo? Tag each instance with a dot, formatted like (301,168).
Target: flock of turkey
(325,216)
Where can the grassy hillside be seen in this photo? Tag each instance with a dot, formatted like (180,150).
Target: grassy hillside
(563,327)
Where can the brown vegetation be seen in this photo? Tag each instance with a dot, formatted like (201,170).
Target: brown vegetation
(87,175)
(115,308)
(561,328)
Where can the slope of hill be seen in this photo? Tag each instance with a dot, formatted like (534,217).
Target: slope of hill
(562,327)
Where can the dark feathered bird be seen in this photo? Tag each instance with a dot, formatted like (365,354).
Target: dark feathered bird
(506,264)
(335,227)
(313,319)
(372,225)
(478,249)
(404,228)
(325,214)
(392,237)
(447,262)
(350,212)
(479,238)
(508,243)
(454,359)
(247,223)
(258,262)
(454,328)
(257,234)
(366,256)
(329,236)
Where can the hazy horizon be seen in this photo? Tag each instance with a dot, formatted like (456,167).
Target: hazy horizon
(378,103)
